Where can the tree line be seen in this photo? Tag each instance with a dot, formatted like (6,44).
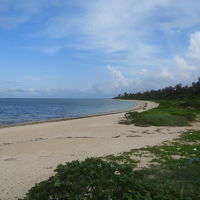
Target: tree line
(178,91)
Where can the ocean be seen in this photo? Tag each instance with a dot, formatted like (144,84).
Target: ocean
(15,111)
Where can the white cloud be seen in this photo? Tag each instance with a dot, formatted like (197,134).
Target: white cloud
(159,73)
(112,26)
(183,65)
(165,73)
(123,28)
(118,79)
(183,68)
(194,48)
(179,70)
(117,26)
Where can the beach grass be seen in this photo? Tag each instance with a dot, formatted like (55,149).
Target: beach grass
(168,113)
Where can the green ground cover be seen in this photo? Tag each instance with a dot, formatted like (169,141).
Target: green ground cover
(173,173)
(168,113)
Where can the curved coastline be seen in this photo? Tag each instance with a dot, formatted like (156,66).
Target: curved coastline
(29,154)
(136,106)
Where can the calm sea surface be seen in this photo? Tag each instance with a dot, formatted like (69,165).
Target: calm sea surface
(13,111)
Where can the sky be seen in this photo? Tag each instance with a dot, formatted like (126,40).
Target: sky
(96,48)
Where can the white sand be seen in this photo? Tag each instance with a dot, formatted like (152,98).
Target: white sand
(30,153)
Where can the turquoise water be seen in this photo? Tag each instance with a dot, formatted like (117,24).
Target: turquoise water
(14,111)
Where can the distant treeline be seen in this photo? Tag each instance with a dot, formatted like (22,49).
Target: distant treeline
(170,92)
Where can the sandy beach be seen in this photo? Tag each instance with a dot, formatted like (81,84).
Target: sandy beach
(30,153)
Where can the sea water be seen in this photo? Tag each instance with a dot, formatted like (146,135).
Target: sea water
(14,111)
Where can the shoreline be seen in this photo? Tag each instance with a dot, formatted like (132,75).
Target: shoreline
(29,154)
(137,105)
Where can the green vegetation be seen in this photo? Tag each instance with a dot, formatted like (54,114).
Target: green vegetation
(177,92)
(178,106)
(173,174)
(90,179)
(168,113)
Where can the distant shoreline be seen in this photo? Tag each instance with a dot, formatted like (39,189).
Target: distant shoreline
(137,105)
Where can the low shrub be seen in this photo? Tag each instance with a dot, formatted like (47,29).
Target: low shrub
(168,113)
(90,179)
(174,174)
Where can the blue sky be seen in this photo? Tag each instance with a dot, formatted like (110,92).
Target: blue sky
(87,48)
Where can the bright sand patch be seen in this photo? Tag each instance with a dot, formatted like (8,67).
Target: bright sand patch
(30,153)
